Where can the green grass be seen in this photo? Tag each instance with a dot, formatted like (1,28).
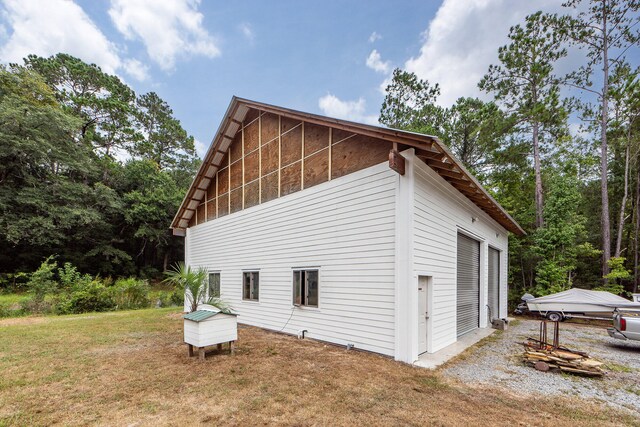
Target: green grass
(615,367)
(10,299)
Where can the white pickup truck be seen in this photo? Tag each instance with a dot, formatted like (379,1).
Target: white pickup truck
(626,324)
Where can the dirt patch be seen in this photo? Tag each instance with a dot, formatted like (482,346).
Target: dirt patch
(15,321)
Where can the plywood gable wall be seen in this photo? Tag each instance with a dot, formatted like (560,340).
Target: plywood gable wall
(272,156)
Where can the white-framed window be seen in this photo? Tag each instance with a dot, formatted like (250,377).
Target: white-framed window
(251,285)
(305,287)
(214,284)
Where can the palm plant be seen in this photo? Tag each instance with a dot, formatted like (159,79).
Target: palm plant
(193,281)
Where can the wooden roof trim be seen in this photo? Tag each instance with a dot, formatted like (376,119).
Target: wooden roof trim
(220,135)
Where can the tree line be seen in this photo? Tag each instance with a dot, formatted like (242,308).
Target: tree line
(91,172)
(577,194)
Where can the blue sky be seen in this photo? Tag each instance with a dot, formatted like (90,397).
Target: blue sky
(327,57)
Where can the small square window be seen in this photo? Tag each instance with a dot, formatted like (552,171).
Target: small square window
(305,288)
(214,285)
(251,285)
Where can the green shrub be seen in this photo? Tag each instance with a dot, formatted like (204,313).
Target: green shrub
(10,310)
(71,278)
(131,293)
(42,281)
(177,298)
(14,282)
(85,297)
(36,305)
(165,298)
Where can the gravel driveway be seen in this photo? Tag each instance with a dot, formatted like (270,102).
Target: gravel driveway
(497,360)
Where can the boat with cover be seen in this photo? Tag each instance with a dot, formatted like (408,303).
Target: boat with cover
(577,302)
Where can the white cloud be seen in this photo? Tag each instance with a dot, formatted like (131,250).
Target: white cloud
(247,31)
(136,69)
(374,61)
(578,129)
(4,33)
(169,29)
(201,148)
(374,36)
(333,106)
(463,39)
(53,26)
(382,88)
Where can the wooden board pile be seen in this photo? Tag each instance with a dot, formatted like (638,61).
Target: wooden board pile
(545,357)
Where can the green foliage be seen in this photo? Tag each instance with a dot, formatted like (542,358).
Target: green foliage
(617,273)
(14,282)
(70,277)
(151,196)
(193,284)
(130,293)
(102,101)
(556,243)
(42,281)
(177,298)
(525,82)
(618,270)
(62,189)
(191,281)
(474,130)
(65,290)
(166,143)
(84,297)
(410,104)
(42,169)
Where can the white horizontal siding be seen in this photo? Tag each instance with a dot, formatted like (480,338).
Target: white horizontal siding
(218,329)
(439,212)
(345,227)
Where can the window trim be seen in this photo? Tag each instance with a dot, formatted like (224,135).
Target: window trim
(250,272)
(210,273)
(303,304)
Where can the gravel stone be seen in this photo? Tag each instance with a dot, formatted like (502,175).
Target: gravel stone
(497,361)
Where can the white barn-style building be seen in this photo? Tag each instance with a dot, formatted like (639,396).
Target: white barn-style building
(354,234)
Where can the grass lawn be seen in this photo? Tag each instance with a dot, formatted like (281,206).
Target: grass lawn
(9,299)
(124,368)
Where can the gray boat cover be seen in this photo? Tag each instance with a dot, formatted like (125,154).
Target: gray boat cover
(584,296)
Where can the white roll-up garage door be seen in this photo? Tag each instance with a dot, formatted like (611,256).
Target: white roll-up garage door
(468,284)
(494,283)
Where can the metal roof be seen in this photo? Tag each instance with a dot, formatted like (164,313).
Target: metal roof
(200,315)
(428,148)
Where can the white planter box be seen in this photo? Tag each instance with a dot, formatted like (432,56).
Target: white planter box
(216,329)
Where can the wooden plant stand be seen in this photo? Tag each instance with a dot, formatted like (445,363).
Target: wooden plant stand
(202,350)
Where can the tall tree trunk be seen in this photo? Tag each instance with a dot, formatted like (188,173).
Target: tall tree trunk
(538,174)
(623,202)
(636,276)
(604,188)
(165,261)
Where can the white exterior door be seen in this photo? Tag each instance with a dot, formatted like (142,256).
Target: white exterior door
(423,314)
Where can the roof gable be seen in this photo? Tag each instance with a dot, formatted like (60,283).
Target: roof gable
(378,140)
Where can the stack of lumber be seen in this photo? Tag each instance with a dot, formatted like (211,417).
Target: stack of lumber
(544,357)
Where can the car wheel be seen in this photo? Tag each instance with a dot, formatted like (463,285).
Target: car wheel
(554,316)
